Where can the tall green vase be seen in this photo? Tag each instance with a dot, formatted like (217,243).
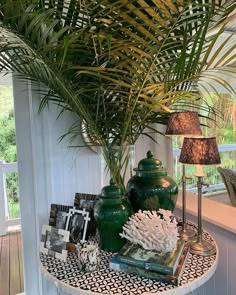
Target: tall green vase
(111,212)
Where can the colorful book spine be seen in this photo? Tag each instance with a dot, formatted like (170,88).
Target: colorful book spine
(117,265)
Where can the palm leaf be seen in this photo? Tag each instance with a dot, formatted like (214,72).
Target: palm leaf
(119,65)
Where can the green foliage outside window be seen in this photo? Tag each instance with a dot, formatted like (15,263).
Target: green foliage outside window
(8,147)
(8,138)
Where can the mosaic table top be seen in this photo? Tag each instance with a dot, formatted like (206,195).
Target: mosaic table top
(67,276)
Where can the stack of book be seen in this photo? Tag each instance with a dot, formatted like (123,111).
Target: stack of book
(132,258)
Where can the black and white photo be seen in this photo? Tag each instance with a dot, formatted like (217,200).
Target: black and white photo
(87,201)
(54,242)
(58,215)
(77,224)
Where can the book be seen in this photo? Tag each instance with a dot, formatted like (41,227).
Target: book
(135,255)
(174,279)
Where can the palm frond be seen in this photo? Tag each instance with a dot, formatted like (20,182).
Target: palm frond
(119,65)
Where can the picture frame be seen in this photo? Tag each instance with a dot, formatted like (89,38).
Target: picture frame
(59,215)
(54,241)
(77,224)
(87,201)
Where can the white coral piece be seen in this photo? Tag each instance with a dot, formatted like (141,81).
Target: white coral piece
(152,231)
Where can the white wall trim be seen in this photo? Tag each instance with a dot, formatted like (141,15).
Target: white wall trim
(25,159)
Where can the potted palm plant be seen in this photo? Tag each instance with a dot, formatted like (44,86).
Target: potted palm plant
(119,65)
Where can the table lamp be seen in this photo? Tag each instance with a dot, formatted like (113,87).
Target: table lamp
(200,151)
(184,124)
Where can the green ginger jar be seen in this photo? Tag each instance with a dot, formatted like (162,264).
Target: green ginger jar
(111,212)
(151,188)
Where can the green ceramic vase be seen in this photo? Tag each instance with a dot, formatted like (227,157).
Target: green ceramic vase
(111,212)
(151,188)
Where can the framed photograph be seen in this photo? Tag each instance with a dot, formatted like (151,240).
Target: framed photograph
(59,215)
(87,201)
(77,225)
(53,242)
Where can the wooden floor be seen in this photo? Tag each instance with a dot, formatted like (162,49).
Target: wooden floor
(11,271)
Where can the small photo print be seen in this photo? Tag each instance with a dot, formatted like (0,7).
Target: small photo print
(54,241)
(87,201)
(77,224)
(58,215)
(61,219)
(76,228)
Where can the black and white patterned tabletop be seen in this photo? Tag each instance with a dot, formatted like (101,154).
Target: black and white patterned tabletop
(106,281)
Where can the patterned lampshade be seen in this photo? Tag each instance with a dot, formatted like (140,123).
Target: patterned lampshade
(203,151)
(183,123)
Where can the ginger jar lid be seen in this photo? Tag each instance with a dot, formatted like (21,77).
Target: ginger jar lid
(111,191)
(150,167)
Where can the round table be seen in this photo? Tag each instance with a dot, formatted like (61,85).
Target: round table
(67,277)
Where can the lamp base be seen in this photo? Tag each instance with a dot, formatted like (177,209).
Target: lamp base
(202,248)
(186,234)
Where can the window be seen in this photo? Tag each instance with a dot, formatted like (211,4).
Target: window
(225,131)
